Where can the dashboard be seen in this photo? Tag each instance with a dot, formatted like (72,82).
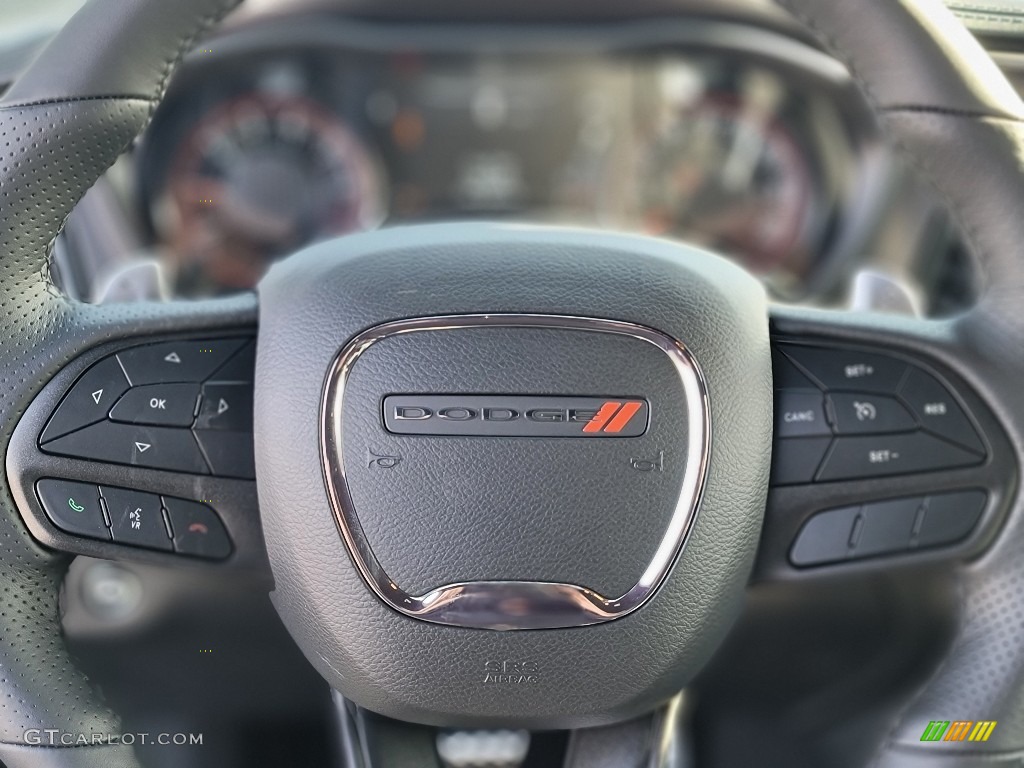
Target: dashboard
(289,127)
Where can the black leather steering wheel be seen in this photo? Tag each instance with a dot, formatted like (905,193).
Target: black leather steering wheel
(661,309)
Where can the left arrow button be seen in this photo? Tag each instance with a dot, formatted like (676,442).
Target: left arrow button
(89,400)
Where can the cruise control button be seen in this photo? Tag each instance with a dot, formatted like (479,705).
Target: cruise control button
(950,517)
(136,518)
(135,445)
(240,368)
(196,529)
(876,456)
(800,414)
(73,507)
(226,406)
(171,361)
(826,537)
(869,414)
(886,527)
(839,369)
(230,454)
(89,399)
(795,460)
(172,405)
(938,411)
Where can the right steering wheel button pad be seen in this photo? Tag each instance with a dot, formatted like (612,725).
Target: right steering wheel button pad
(182,406)
(885,416)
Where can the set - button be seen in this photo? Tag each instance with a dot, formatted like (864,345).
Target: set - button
(134,518)
(845,414)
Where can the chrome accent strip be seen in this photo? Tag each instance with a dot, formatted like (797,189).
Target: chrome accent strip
(489,604)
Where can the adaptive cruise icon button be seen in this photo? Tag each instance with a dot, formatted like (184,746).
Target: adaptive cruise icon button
(516,415)
(865,414)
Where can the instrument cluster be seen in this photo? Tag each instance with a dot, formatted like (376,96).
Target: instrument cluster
(758,149)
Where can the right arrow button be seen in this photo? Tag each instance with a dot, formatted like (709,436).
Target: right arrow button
(227,407)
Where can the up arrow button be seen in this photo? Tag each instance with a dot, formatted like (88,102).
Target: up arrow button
(177,361)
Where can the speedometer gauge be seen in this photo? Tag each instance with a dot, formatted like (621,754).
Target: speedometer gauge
(729,177)
(257,178)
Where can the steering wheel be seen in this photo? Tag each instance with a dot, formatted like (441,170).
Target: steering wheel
(507,476)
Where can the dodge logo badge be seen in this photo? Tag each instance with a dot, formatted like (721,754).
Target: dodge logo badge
(516,415)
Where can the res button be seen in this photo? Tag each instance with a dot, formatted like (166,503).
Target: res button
(938,411)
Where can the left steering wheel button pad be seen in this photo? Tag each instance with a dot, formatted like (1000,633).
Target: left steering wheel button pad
(139,407)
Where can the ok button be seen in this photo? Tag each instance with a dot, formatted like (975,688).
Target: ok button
(169,405)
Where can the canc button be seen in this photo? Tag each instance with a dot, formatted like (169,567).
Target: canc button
(800,414)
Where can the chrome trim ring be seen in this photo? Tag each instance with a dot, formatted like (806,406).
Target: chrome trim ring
(507,605)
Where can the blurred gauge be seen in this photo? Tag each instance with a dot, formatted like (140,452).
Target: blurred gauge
(256,179)
(731,178)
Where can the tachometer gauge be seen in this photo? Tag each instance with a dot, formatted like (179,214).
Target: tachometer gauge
(729,177)
(257,178)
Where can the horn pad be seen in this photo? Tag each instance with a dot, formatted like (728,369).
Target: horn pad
(515,472)
(463,430)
